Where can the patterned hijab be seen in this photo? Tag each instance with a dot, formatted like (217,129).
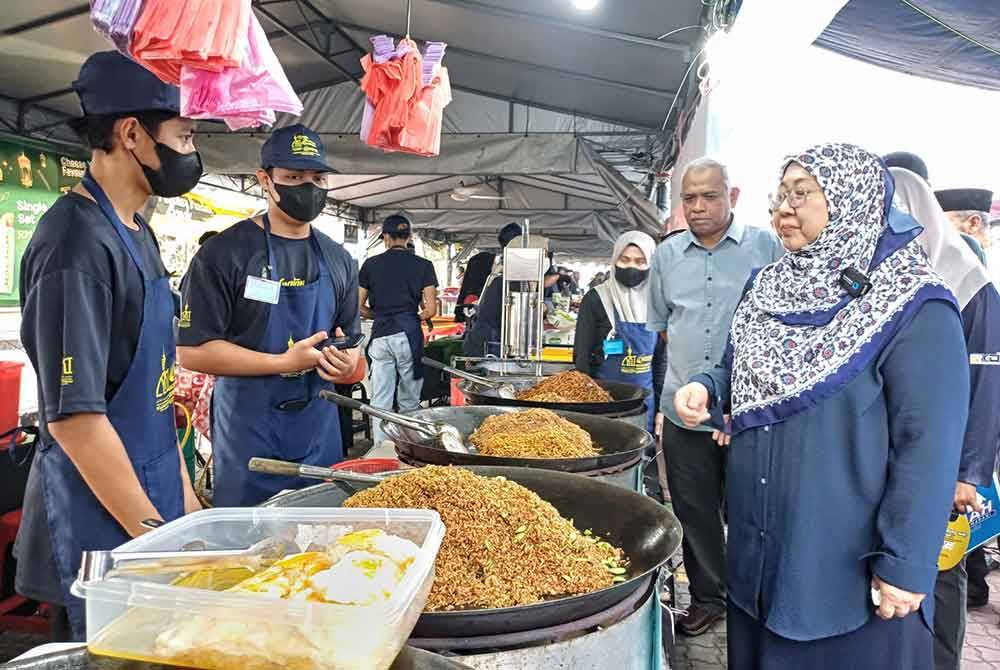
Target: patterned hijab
(798,336)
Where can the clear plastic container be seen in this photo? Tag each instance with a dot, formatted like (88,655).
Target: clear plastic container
(148,619)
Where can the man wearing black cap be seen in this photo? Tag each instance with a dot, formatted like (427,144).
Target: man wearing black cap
(478,270)
(968,209)
(98,327)
(398,291)
(260,300)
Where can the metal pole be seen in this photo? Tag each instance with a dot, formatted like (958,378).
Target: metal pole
(409,7)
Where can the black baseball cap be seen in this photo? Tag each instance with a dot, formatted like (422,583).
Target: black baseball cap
(397,224)
(110,83)
(294,148)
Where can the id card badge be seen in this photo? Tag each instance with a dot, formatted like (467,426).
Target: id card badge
(614,347)
(262,290)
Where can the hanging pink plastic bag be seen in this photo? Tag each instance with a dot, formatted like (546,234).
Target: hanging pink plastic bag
(243,97)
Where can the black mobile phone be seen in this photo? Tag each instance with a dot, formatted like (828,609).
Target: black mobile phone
(341,343)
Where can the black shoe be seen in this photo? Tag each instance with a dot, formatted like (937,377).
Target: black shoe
(698,620)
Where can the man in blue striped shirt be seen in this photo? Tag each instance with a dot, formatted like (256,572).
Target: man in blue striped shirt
(696,280)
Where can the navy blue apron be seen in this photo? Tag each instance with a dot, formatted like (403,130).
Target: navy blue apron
(279,416)
(634,365)
(142,413)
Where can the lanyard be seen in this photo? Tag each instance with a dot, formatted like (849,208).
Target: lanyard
(111,215)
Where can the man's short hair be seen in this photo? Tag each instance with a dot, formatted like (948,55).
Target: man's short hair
(707,163)
(97,131)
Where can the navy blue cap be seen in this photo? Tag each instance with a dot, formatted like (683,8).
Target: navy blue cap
(294,148)
(110,83)
(397,224)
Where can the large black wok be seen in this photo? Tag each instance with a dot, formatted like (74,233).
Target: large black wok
(619,442)
(624,397)
(81,659)
(647,532)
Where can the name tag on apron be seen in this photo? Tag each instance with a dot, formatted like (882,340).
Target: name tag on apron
(614,347)
(262,290)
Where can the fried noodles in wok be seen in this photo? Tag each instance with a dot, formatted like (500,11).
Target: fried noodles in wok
(569,386)
(533,433)
(504,545)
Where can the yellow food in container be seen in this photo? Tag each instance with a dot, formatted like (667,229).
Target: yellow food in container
(348,606)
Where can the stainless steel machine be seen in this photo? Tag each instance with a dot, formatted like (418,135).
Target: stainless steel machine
(523,299)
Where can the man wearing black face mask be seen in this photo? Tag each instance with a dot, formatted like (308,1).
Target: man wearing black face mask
(98,327)
(260,299)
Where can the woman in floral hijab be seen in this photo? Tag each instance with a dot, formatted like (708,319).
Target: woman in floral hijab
(847,380)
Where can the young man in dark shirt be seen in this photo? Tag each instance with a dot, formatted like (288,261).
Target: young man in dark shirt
(260,299)
(97,326)
(398,291)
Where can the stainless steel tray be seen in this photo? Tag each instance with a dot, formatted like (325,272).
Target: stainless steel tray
(81,659)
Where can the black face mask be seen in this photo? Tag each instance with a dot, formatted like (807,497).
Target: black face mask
(178,173)
(303,202)
(630,277)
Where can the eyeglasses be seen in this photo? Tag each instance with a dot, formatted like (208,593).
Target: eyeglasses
(796,197)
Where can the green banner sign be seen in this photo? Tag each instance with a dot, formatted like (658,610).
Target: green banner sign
(30,181)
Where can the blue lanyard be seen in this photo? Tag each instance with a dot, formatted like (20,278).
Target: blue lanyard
(111,215)
(270,270)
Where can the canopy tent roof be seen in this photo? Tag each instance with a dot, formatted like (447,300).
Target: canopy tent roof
(607,64)
(565,183)
(565,112)
(956,41)
(557,180)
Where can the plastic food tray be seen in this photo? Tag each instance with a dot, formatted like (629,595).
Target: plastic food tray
(125,616)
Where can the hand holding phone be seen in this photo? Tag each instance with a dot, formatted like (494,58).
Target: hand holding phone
(342,343)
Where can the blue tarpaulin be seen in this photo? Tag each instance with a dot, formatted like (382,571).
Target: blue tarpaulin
(949,40)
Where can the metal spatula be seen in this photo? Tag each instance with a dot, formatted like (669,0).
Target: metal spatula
(270,466)
(444,434)
(100,565)
(505,390)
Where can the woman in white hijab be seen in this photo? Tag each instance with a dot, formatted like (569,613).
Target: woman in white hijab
(611,341)
(957,264)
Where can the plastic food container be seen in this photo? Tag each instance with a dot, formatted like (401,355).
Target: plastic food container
(139,618)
